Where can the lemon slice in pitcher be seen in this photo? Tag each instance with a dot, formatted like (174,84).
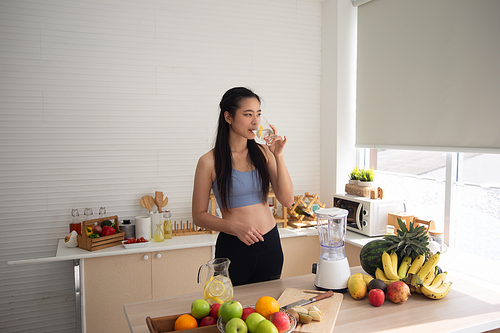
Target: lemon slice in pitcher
(216,288)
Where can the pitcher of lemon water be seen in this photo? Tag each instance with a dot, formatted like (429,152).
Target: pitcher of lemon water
(218,288)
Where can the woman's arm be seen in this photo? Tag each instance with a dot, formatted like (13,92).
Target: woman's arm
(204,175)
(278,172)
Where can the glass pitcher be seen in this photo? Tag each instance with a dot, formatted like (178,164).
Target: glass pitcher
(218,287)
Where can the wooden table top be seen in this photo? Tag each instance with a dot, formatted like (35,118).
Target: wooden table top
(467,308)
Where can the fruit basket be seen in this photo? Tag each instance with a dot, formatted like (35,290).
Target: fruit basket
(293,322)
(92,244)
(166,324)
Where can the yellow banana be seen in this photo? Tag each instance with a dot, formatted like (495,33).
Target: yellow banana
(416,265)
(428,266)
(379,274)
(388,267)
(367,278)
(438,280)
(404,267)
(394,260)
(437,292)
(429,278)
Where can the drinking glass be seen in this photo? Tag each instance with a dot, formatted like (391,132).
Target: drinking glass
(264,133)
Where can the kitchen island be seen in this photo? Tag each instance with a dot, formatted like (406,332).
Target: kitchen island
(467,308)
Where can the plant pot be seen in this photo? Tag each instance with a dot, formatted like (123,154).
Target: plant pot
(365,184)
(353,181)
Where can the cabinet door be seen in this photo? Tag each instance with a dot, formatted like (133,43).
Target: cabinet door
(111,282)
(300,253)
(175,272)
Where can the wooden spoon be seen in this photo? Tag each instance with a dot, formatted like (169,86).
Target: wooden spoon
(159,200)
(148,202)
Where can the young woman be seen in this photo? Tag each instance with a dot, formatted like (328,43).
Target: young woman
(239,171)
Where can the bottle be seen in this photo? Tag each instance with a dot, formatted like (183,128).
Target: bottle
(158,237)
(75,223)
(167,224)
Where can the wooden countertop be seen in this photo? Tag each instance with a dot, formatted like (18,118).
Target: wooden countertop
(467,308)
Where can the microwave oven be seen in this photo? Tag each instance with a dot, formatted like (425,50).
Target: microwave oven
(367,216)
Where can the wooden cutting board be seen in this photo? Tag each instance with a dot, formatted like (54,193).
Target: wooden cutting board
(329,308)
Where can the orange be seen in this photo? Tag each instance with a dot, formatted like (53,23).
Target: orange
(266,306)
(185,322)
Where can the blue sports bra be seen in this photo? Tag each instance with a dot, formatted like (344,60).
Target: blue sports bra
(246,189)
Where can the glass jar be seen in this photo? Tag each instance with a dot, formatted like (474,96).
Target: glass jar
(436,235)
(75,223)
(158,237)
(167,224)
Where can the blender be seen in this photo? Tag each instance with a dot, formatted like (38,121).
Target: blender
(332,270)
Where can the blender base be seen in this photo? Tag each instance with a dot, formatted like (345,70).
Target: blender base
(332,275)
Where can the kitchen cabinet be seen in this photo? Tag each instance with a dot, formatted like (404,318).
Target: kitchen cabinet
(110,282)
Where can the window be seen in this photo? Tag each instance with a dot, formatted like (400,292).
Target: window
(419,177)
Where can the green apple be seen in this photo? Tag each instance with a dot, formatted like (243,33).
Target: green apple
(200,308)
(231,309)
(253,320)
(236,325)
(266,326)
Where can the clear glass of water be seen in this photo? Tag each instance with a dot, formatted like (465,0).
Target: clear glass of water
(264,133)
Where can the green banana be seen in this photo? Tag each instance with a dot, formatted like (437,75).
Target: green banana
(414,282)
(436,292)
(417,264)
(389,271)
(428,266)
(404,267)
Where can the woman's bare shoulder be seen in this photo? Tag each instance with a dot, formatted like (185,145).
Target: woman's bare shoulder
(207,160)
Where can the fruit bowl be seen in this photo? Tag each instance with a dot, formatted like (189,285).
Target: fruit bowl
(293,322)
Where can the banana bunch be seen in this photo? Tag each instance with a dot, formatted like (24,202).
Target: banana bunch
(421,276)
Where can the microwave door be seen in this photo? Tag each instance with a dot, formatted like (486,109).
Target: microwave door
(354,209)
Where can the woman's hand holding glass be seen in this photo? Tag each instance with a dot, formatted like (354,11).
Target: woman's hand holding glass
(267,134)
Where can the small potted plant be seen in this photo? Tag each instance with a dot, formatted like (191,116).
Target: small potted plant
(366,177)
(354,176)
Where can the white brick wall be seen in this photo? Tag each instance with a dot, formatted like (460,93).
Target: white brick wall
(102,102)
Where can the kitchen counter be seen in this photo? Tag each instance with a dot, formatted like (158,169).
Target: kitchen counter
(176,243)
(467,308)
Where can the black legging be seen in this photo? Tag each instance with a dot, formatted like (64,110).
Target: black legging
(261,261)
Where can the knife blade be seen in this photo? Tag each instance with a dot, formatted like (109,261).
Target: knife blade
(307,301)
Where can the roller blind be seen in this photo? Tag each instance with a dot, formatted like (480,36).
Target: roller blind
(428,75)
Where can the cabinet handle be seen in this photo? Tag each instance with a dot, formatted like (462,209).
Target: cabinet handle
(145,257)
(158,255)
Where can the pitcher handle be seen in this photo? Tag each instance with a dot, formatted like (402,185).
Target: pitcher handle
(199,271)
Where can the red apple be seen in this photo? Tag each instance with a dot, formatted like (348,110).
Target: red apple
(280,320)
(214,310)
(376,297)
(247,311)
(398,292)
(208,321)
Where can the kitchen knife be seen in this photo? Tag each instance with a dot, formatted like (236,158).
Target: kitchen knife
(307,301)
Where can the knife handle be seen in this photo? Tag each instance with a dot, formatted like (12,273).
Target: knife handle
(329,293)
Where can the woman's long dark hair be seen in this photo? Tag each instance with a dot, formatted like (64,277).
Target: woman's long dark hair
(230,102)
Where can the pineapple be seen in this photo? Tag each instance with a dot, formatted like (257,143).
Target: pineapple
(410,242)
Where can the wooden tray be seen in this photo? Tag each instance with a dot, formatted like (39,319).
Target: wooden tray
(329,308)
(92,244)
(166,324)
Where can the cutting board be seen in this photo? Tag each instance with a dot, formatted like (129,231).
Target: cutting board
(329,308)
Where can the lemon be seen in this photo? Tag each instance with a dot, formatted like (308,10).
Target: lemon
(259,132)
(216,288)
(212,300)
